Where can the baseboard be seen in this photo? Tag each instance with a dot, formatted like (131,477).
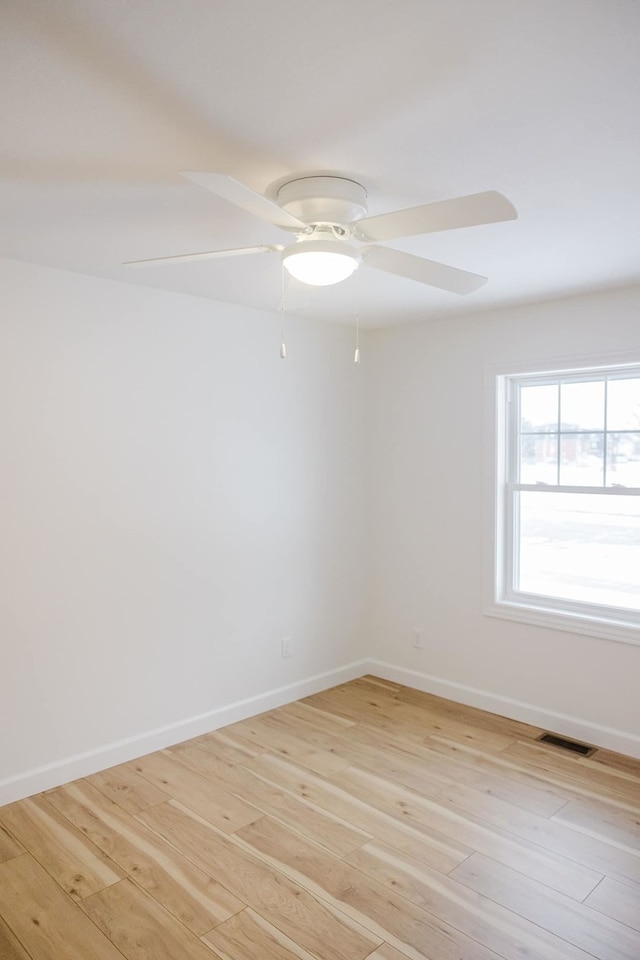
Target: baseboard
(596,734)
(83,764)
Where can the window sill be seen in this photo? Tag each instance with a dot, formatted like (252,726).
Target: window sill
(554,619)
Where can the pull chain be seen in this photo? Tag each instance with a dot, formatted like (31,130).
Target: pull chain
(356,355)
(283,346)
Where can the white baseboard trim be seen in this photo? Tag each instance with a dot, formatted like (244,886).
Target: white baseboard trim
(83,764)
(595,734)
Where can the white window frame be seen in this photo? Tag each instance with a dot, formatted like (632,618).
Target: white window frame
(500,599)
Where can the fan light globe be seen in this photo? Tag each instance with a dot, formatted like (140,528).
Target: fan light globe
(320,262)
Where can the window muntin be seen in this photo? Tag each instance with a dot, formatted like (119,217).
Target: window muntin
(571,507)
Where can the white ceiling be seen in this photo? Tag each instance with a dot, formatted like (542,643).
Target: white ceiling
(103,102)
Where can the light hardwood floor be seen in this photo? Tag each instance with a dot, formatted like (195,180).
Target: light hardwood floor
(370,820)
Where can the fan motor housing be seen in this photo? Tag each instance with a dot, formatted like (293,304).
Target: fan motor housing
(324,200)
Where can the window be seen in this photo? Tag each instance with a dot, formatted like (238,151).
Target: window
(568,550)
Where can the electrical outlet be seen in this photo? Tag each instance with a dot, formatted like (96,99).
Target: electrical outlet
(418,637)
(286,649)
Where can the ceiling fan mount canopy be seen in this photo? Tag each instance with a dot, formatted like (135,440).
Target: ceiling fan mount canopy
(314,200)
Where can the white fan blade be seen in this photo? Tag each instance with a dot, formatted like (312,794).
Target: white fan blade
(470,211)
(424,271)
(207,255)
(243,196)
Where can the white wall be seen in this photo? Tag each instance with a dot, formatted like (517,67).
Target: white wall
(427,444)
(174,499)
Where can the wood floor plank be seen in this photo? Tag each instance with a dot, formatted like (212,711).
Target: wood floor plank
(140,928)
(601,820)
(378,709)
(616,763)
(616,900)
(301,730)
(468,911)
(194,896)
(389,685)
(496,764)
(302,917)
(599,779)
(411,763)
(468,716)
(337,835)
(9,846)
(224,748)
(127,788)
(569,787)
(10,946)
(317,718)
(387,952)
(195,755)
(79,866)
(428,781)
(248,936)
(45,920)
(549,835)
(271,738)
(384,912)
(202,796)
(353,702)
(560,873)
(439,851)
(578,924)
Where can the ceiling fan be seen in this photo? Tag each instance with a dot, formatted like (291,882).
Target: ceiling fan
(327,216)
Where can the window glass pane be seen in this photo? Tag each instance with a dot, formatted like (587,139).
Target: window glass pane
(623,405)
(539,408)
(623,459)
(582,459)
(582,547)
(539,458)
(582,405)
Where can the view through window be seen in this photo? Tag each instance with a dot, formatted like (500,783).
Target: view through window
(572,492)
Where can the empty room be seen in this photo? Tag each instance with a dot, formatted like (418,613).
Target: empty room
(320,480)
